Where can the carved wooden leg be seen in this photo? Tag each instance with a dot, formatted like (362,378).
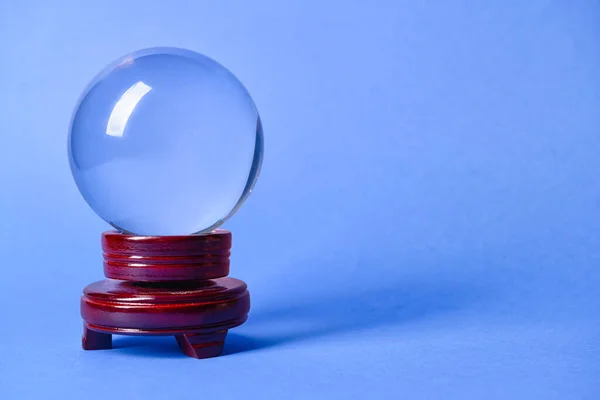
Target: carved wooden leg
(93,340)
(202,345)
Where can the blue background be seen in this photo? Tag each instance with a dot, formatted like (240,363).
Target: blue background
(425,226)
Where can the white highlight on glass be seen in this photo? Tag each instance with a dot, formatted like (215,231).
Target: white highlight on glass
(124,108)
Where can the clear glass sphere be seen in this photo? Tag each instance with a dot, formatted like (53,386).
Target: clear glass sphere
(165,141)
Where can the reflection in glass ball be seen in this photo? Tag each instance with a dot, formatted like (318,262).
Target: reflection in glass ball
(165,141)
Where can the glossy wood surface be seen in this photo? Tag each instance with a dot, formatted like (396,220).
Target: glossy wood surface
(129,307)
(166,258)
(163,295)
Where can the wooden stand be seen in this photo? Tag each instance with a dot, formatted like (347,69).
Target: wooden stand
(167,285)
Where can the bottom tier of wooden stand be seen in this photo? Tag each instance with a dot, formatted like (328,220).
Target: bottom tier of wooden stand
(198,314)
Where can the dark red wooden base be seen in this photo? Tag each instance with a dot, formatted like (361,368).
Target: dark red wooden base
(172,285)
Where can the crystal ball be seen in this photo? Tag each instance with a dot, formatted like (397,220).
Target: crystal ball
(165,141)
